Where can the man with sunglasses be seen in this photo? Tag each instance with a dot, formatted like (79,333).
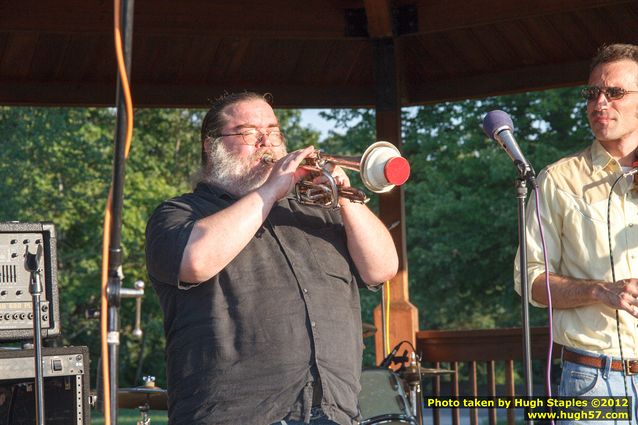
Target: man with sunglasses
(260,293)
(595,305)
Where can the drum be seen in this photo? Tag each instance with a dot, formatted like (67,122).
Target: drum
(382,399)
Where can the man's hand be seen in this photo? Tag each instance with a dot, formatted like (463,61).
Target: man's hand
(569,292)
(340,177)
(621,295)
(285,174)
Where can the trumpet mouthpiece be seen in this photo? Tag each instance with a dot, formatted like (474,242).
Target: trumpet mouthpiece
(268,159)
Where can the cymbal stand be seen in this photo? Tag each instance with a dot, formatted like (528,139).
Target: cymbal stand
(146,418)
(149,381)
(415,401)
(412,376)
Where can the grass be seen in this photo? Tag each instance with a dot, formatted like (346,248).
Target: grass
(130,417)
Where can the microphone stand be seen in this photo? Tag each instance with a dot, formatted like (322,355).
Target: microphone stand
(526,176)
(35,288)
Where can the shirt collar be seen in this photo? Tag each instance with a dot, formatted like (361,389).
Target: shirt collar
(216,191)
(602,160)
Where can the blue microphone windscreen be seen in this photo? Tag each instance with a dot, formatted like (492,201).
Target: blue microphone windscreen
(494,120)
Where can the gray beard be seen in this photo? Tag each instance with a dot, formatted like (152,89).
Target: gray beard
(235,175)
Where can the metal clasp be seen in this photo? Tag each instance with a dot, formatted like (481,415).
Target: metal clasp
(628,364)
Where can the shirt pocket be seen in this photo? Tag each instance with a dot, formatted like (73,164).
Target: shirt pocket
(329,247)
(595,213)
(584,237)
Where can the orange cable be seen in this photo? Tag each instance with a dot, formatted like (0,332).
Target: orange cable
(106,239)
(106,392)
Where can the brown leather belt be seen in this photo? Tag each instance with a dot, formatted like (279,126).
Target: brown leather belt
(630,366)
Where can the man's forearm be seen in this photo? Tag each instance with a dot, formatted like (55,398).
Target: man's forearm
(217,239)
(370,244)
(569,292)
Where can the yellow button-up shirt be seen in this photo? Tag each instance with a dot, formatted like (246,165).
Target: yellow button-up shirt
(574,193)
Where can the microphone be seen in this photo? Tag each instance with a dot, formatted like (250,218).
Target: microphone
(385,363)
(499,126)
(634,169)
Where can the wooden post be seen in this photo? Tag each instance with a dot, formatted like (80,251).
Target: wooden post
(404,320)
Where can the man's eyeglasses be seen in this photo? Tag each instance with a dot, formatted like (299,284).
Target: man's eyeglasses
(590,93)
(253,136)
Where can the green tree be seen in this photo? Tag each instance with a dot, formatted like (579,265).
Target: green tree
(297,136)
(461,209)
(56,165)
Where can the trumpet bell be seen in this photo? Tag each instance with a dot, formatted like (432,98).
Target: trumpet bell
(382,167)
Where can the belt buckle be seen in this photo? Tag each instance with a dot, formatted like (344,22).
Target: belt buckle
(628,364)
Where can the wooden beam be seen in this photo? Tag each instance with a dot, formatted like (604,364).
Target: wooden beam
(79,93)
(271,19)
(82,93)
(315,19)
(404,317)
(444,15)
(379,14)
(496,84)
(25,93)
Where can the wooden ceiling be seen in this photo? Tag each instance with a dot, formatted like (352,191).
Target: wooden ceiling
(308,53)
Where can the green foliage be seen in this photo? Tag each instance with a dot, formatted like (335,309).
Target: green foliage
(461,206)
(461,209)
(57,165)
(297,137)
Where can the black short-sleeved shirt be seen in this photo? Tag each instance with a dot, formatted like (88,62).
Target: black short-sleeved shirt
(240,347)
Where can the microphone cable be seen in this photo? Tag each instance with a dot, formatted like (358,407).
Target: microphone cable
(387,361)
(613,275)
(550,312)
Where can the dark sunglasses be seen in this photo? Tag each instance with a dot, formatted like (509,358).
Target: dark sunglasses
(590,93)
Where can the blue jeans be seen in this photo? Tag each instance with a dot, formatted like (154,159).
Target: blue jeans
(585,381)
(317,417)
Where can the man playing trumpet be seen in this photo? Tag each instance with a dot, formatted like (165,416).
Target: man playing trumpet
(260,293)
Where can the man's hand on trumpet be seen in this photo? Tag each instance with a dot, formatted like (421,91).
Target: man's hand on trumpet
(318,179)
(285,173)
(340,177)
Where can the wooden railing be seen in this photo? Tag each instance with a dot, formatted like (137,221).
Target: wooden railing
(483,363)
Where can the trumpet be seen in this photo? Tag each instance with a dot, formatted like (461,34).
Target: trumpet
(381,166)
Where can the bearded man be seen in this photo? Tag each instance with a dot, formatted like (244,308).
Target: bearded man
(260,293)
